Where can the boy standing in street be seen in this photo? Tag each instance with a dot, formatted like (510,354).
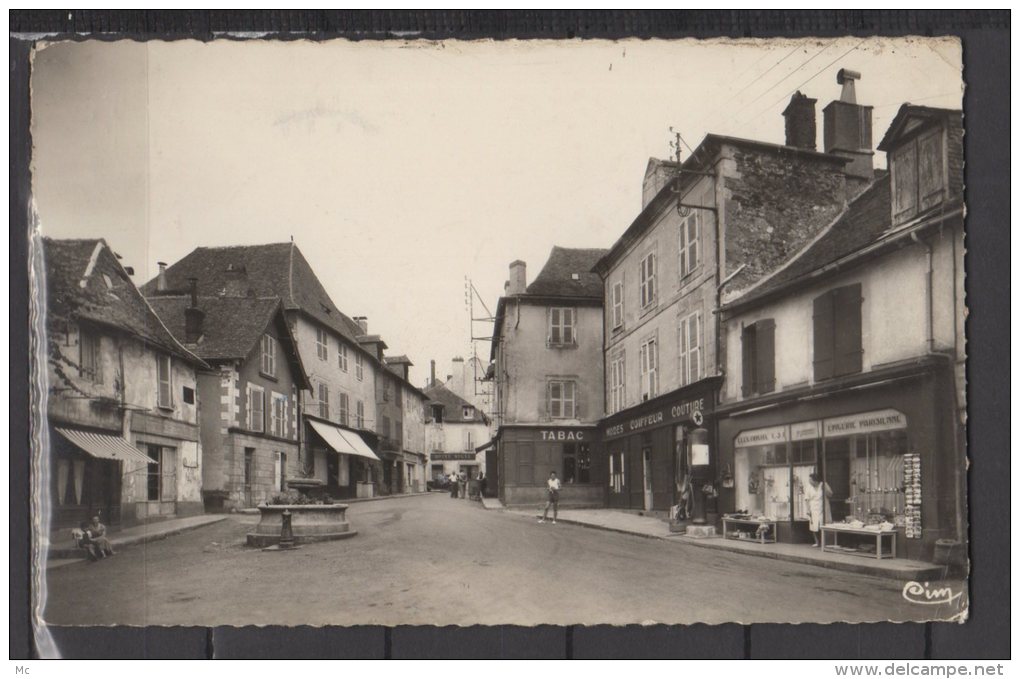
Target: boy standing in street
(554,498)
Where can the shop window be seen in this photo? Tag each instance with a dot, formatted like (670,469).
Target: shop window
(71,489)
(691,356)
(763,481)
(576,463)
(616,303)
(164,391)
(321,344)
(867,474)
(268,362)
(617,474)
(89,361)
(562,399)
(837,332)
(256,408)
(649,359)
(562,327)
(161,476)
(647,278)
(689,245)
(759,357)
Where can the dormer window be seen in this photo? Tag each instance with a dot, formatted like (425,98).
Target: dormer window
(919,171)
(469,412)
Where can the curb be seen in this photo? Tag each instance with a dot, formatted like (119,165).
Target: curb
(73,553)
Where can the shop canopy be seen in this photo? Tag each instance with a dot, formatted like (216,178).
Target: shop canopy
(342,440)
(485,446)
(104,446)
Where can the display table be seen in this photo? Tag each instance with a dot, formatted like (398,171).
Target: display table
(762,538)
(835,530)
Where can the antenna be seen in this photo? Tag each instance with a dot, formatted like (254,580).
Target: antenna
(481,386)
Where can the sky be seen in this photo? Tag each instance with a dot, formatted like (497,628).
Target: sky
(404,169)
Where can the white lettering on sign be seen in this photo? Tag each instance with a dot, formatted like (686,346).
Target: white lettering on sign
(805,431)
(562,435)
(866,423)
(615,430)
(688,408)
(762,437)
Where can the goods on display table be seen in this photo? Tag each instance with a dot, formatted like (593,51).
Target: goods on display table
(912,495)
(743,526)
(863,533)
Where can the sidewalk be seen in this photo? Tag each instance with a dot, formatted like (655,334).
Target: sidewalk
(649,527)
(349,501)
(492,503)
(65,551)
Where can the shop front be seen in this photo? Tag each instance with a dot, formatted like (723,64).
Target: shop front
(885,450)
(648,449)
(527,454)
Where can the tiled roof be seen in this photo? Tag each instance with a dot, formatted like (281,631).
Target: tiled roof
(864,220)
(395,360)
(270,270)
(232,326)
(453,410)
(557,277)
(85,281)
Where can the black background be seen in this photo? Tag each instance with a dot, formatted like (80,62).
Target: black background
(985,37)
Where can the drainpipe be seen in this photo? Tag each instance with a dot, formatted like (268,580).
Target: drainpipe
(928,291)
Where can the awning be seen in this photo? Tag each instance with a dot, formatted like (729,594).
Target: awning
(343,440)
(486,446)
(104,446)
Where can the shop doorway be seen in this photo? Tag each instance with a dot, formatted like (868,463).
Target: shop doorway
(836,472)
(646,462)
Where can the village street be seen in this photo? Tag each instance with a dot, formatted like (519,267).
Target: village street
(434,560)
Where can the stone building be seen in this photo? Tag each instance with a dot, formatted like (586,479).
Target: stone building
(121,428)
(455,431)
(409,426)
(547,370)
(249,419)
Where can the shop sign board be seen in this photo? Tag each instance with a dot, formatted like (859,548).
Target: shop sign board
(806,431)
(452,456)
(762,437)
(682,411)
(865,423)
(563,435)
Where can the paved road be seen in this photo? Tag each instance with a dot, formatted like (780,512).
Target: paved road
(435,560)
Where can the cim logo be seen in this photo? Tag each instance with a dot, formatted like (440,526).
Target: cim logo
(562,435)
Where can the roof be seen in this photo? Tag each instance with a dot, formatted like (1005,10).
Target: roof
(269,270)
(397,360)
(557,277)
(911,117)
(864,220)
(85,281)
(454,405)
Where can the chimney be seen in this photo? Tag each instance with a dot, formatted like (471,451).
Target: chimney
(657,174)
(161,278)
(458,377)
(193,316)
(848,132)
(432,373)
(362,322)
(236,283)
(518,277)
(800,122)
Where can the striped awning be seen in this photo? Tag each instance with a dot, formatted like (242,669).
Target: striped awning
(343,440)
(104,446)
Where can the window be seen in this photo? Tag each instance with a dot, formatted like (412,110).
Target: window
(918,175)
(278,416)
(691,356)
(469,444)
(321,344)
(385,427)
(89,361)
(649,360)
(437,413)
(690,243)
(164,396)
(469,413)
(280,471)
(758,342)
(323,401)
(617,387)
(256,408)
(837,332)
(386,387)
(360,415)
(616,302)
(562,399)
(359,366)
(189,395)
(561,327)
(343,407)
(161,475)
(617,479)
(576,463)
(268,365)
(647,277)
(341,352)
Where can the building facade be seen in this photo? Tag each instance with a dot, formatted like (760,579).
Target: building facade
(122,417)
(847,361)
(547,370)
(455,430)
(249,421)
(407,415)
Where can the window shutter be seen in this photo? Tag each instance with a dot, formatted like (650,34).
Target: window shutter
(847,312)
(746,361)
(824,344)
(577,401)
(765,339)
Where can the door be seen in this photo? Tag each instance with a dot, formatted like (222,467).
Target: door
(249,476)
(646,460)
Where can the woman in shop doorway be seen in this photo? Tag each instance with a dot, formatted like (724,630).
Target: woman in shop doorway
(817,495)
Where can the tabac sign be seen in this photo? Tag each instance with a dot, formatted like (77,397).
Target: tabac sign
(690,410)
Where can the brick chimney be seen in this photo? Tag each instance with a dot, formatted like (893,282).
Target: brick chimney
(161,278)
(848,131)
(518,278)
(362,322)
(658,173)
(193,316)
(800,122)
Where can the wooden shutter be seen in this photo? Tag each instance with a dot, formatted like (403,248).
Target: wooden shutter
(848,356)
(765,339)
(824,344)
(747,358)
